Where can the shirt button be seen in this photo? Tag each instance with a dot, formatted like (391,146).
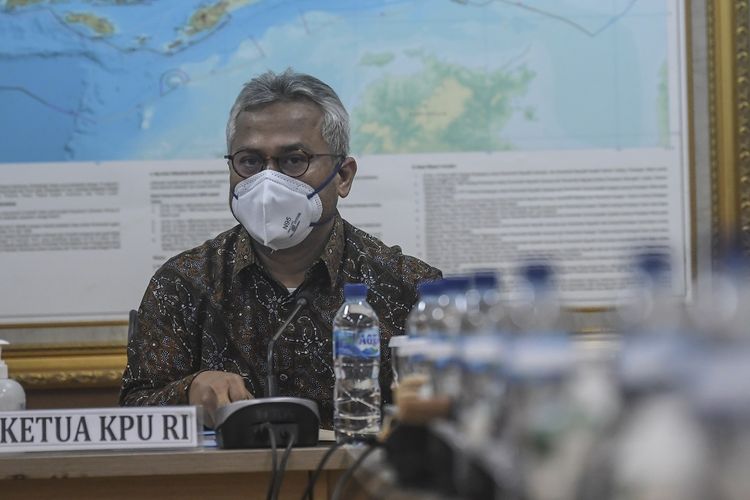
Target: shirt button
(283,377)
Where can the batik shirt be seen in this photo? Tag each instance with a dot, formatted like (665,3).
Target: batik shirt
(215,308)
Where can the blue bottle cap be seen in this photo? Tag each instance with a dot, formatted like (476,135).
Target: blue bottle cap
(355,291)
(430,288)
(485,280)
(654,263)
(456,283)
(538,273)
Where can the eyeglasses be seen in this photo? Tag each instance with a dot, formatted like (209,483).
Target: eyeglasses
(294,163)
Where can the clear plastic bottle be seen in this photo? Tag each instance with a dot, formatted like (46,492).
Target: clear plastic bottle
(654,328)
(356,361)
(717,380)
(534,306)
(420,323)
(657,448)
(420,320)
(483,352)
(450,322)
(491,309)
(541,361)
(720,396)
(12,395)
(483,356)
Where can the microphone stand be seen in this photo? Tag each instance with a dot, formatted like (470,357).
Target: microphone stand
(245,424)
(270,379)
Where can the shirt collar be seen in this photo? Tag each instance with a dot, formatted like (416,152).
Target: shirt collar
(331,256)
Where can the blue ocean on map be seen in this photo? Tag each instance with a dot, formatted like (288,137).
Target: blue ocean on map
(146,80)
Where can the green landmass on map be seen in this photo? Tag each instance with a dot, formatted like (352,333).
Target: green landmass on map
(12,4)
(99,25)
(206,18)
(443,108)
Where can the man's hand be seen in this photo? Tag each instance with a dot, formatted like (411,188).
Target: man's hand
(212,389)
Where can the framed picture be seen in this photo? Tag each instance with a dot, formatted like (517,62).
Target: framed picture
(131,170)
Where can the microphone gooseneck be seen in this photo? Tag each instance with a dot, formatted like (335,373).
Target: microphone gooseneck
(248,423)
(270,378)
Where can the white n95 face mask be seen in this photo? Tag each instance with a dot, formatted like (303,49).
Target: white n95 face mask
(277,210)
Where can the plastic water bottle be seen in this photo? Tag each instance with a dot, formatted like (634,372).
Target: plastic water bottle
(444,354)
(716,385)
(491,309)
(719,395)
(12,395)
(356,362)
(483,356)
(542,415)
(654,334)
(420,322)
(656,448)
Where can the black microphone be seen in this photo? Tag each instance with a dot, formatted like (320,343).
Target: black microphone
(270,378)
(248,423)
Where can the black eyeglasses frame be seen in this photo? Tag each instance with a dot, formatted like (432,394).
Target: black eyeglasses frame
(266,159)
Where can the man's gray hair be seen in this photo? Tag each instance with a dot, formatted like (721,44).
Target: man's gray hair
(288,86)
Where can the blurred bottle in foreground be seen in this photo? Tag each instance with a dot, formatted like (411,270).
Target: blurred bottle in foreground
(420,323)
(483,353)
(717,384)
(657,449)
(443,353)
(540,365)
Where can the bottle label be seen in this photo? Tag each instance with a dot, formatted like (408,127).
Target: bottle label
(363,344)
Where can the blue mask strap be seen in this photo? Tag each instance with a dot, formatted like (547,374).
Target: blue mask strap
(328,179)
(321,187)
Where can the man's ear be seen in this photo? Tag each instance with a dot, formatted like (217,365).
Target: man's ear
(346,177)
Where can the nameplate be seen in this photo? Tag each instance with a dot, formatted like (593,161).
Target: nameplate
(99,429)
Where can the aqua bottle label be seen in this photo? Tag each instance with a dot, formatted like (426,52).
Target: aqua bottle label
(363,344)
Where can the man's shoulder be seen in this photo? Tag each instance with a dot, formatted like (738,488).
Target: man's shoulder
(217,252)
(389,261)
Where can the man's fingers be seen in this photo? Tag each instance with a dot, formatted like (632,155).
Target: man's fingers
(237,389)
(214,389)
(222,398)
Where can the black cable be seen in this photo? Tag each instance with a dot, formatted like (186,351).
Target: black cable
(272,482)
(338,490)
(314,478)
(282,466)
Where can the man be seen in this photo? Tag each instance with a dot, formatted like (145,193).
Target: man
(208,314)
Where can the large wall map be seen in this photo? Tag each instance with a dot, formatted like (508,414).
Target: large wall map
(121,80)
(486,131)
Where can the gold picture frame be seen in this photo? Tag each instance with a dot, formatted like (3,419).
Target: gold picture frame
(728,42)
(54,367)
(93,355)
(718,27)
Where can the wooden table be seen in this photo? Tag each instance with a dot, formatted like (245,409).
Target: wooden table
(193,473)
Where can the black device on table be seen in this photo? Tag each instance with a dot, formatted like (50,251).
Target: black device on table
(249,423)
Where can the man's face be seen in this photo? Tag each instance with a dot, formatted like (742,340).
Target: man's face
(282,127)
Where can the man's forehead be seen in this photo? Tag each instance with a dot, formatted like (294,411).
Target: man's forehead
(290,124)
(285,117)
(300,103)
